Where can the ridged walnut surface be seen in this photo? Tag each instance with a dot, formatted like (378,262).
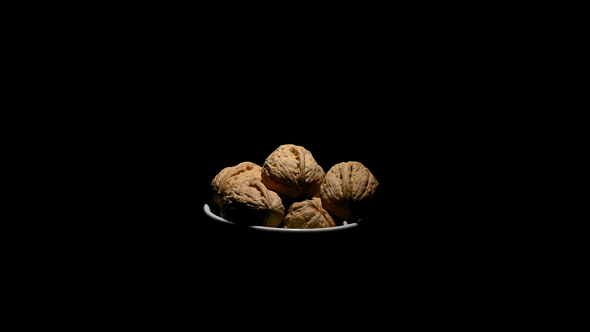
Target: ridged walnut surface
(308,214)
(244,171)
(250,202)
(346,189)
(292,171)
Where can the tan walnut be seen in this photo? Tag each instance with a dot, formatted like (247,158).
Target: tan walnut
(347,191)
(308,214)
(241,172)
(292,171)
(250,202)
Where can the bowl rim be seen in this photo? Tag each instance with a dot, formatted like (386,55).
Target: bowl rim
(215,217)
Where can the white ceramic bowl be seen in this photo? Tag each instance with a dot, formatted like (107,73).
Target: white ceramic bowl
(346,226)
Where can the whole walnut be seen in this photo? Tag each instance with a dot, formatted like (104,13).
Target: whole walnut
(292,171)
(347,191)
(250,202)
(241,172)
(308,214)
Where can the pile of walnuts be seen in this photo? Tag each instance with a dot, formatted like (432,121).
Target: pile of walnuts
(291,190)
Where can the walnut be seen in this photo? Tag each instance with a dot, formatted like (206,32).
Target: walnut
(241,172)
(292,171)
(250,202)
(308,214)
(347,190)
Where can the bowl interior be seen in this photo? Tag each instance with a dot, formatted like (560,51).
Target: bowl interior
(215,217)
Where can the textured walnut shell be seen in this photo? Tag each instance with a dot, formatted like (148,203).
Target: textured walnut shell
(292,171)
(308,214)
(347,190)
(250,202)
(244,171)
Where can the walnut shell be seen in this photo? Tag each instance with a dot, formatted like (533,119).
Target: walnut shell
(250,202)
(292,171)
(308,214)
(347,190)
(241,172)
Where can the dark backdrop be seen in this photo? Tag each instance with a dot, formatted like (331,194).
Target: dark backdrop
(166,111)
(425,131)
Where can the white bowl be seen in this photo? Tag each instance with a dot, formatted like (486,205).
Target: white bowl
(346,226)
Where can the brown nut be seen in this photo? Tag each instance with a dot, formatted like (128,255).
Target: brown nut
(251,203)
(347,190)
(241,172)
(292,171)
(308,214)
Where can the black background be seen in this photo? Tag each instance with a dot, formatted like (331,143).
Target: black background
(430,152)
(156,109)
(165,119)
